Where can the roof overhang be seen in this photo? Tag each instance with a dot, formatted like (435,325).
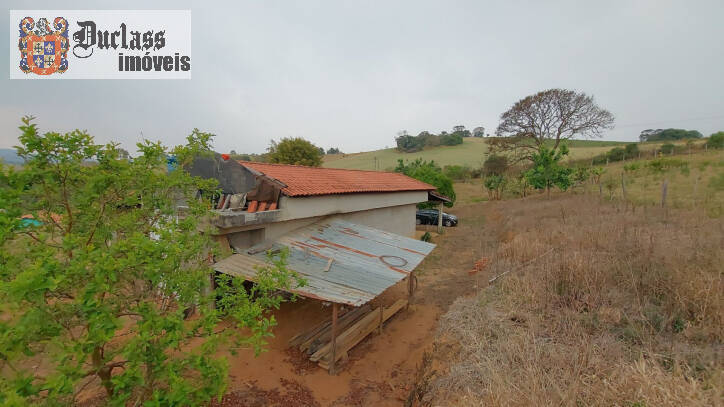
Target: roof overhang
(435,196)
(341,262)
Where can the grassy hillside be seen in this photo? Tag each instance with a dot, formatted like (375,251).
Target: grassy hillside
(471,152)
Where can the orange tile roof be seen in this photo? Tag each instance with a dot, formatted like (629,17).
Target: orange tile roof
(306,181)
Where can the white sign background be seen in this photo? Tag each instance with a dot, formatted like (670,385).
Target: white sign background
(103,64)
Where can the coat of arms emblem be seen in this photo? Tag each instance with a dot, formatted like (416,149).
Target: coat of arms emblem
(43,49)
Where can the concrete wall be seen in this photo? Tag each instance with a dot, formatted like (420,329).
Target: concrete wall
(391,212)
(306,207)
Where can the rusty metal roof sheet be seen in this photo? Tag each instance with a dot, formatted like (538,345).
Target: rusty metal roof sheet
(365,261)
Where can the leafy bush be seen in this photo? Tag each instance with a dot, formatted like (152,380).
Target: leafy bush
(426,237)
(616,154)
(667,148)
(547,171)
(716,140)
(632,150)
(451,139)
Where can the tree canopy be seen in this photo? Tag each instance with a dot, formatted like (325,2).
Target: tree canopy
(546,119)
(669,134)
(429,172)
(547,171)
(296,151)
(98,287)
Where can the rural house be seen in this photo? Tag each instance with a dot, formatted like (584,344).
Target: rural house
(350,235)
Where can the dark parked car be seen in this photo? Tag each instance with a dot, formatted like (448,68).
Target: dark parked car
(429,217)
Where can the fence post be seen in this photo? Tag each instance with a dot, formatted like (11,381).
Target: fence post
(664,188)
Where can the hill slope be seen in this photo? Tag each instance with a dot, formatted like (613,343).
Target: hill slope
(471,152)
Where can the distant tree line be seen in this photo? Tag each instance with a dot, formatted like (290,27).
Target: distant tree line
(668,134)
(409,144)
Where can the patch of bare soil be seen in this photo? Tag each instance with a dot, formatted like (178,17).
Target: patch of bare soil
(292,393)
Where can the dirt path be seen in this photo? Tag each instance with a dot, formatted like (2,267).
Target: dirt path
(381,370)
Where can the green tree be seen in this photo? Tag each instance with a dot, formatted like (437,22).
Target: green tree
(451,139)
(409,144)
(100,286)
(716,140)
(668,134)
(429,172)
(296,151)
(547,171)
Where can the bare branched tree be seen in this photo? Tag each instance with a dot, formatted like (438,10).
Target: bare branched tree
(547,118)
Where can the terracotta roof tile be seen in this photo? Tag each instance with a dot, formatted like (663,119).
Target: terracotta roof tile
(306,181)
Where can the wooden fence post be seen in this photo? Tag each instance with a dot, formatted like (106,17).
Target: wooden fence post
(335,312)
(664,188)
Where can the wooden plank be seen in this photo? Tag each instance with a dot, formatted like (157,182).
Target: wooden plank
(343,323)
(351,341)
(322,332)
(335,308)
(352,336)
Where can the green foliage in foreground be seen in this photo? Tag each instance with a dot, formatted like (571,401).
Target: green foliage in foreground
(547,171)
(99,287)
(429,172)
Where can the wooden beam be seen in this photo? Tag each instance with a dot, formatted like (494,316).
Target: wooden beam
(354,335)
(335,310)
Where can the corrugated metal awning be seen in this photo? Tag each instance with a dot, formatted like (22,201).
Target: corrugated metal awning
(365,261)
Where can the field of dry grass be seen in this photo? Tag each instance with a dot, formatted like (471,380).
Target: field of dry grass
(601,305)
(692,182)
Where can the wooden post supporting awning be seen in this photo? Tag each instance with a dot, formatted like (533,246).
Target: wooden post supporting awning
(332,363)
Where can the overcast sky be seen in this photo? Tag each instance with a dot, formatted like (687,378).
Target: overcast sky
(352,74)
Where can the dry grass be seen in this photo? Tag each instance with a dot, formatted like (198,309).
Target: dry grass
(689,187)
(625,310)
